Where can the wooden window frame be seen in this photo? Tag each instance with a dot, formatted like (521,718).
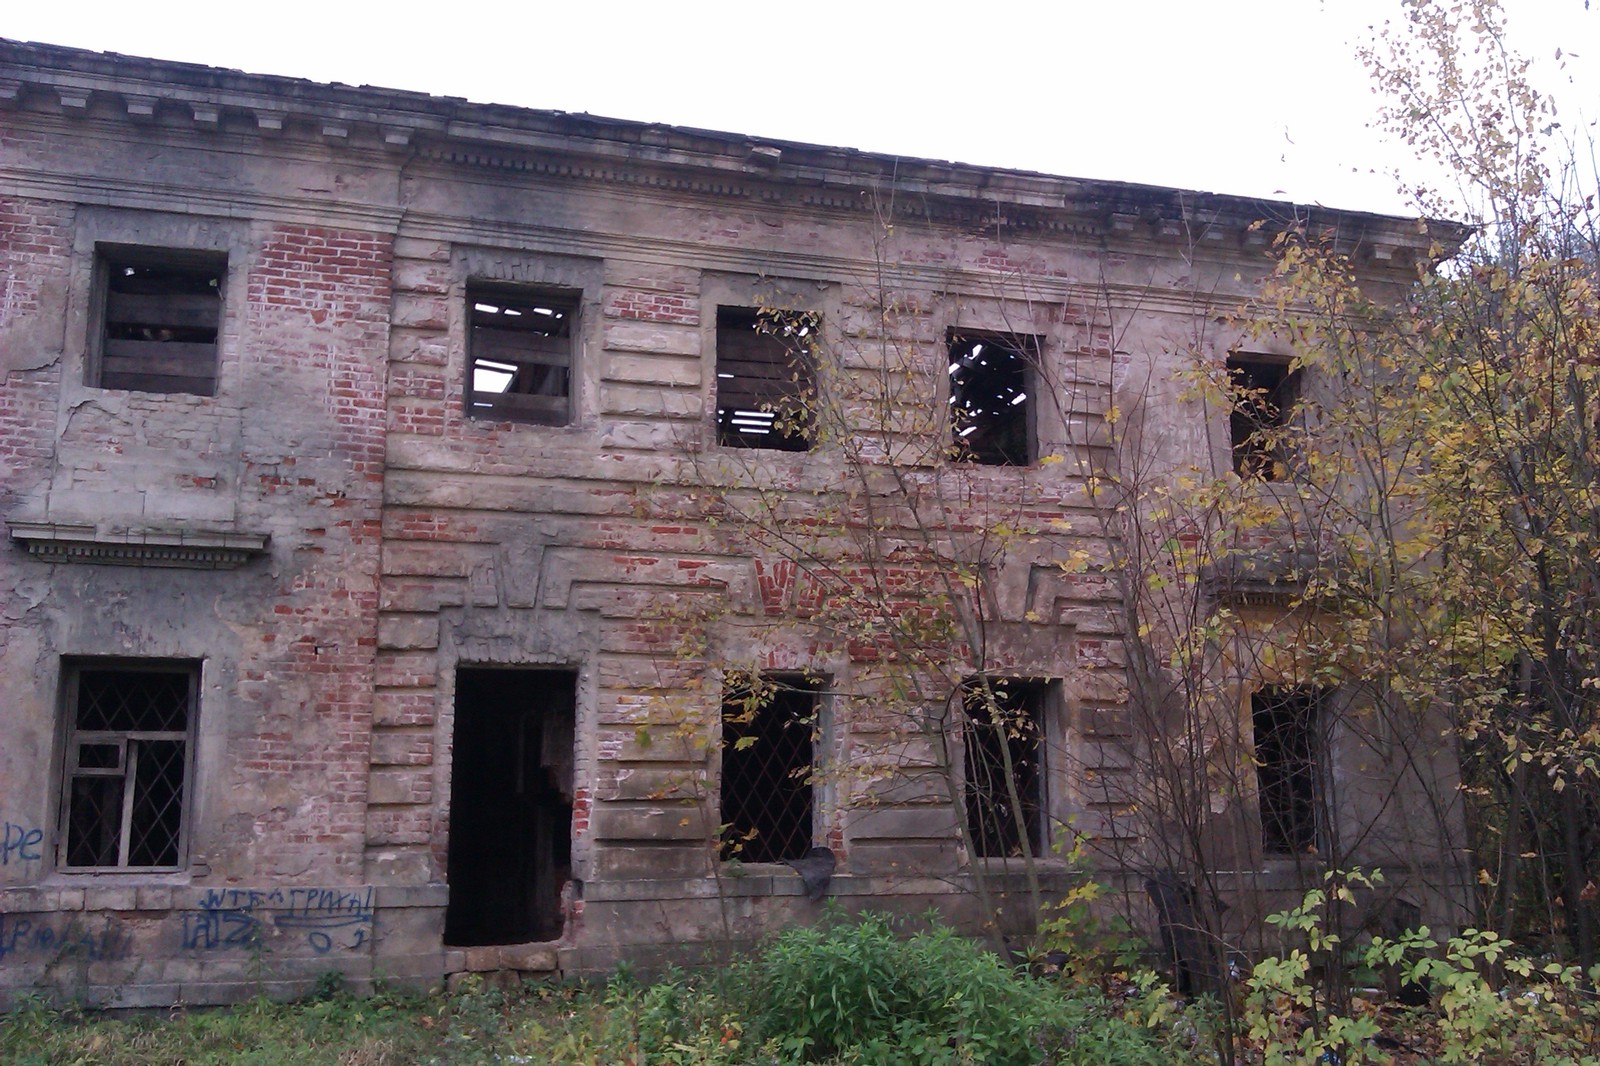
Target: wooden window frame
(766,356)
(149,364)
(495,345)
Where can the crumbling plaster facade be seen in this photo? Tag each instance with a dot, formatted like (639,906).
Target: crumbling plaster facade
(327,541)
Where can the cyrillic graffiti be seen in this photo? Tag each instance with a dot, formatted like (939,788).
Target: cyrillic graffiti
(64,937)
(19,843)
(239,917)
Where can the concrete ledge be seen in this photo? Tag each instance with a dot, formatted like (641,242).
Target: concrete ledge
(54,542)
(769,879)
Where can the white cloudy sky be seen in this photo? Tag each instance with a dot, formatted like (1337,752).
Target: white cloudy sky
(1255,97)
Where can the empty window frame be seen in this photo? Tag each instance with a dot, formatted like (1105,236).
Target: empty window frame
(126,786)
(766,378)
(1004,748)
(1287,724)
(520,366)
(992,407)
(158,314)
(769,731)
(1263,395)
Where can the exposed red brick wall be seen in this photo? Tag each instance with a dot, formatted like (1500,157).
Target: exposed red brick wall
(314,352)
(35,250)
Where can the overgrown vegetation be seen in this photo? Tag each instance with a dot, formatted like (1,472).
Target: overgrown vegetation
(847,991)
(862,991)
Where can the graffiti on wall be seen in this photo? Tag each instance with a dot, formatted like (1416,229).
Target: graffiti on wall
(240,917)
(20,843)
(62,936)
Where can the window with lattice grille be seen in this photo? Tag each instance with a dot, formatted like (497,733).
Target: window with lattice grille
(1287,724)
(130,727)
(1003,745)
(769,728)
(766,378)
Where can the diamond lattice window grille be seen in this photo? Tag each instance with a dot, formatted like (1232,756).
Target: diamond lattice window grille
(769,729)
(1004,722)
(128,756)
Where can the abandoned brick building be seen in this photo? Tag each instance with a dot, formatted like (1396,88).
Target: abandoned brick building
(392,485)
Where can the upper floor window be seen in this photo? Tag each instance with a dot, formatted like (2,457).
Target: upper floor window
(520,354)
(1264,393)
(158,315)
(991,402)
(126,788)
(766,378)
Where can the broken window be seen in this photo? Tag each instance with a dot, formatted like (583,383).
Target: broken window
(521,354)
(769,726)
(1264,393)
(766,380)
(129,730)
(1003,743)
(159,314)
(1288,768)
(991,407)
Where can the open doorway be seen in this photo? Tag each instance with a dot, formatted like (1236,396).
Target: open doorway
(510,804)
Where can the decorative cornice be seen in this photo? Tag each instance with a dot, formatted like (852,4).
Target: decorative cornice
(56,542)
(211,102)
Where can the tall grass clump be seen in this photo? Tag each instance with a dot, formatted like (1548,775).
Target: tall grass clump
(857,992)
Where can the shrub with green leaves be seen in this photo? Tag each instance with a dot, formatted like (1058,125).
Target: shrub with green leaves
(856,992)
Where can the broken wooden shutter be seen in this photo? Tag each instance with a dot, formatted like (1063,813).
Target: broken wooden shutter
(161,312)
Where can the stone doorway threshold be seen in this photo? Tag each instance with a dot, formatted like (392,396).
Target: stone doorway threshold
(539,959)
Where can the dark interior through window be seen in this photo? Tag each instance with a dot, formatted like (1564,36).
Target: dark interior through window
(765,378)
(768,731)
(161,315)
(1005,722)
(991,412)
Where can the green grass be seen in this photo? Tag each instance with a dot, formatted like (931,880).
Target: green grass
(480,1025)
(848,991)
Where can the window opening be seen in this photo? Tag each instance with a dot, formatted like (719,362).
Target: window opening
(991,408)
(511,792)
(1264,394)
(160,312)
(766,380)
(521,348)
(1007,718)
(1286,722)
(769,727)
(126,783)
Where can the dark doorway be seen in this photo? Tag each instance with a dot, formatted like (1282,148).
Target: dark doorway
(510,804)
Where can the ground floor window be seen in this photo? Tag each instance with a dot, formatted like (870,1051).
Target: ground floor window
(1286,724)
(1003,747)
(769,726)
(126,789)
